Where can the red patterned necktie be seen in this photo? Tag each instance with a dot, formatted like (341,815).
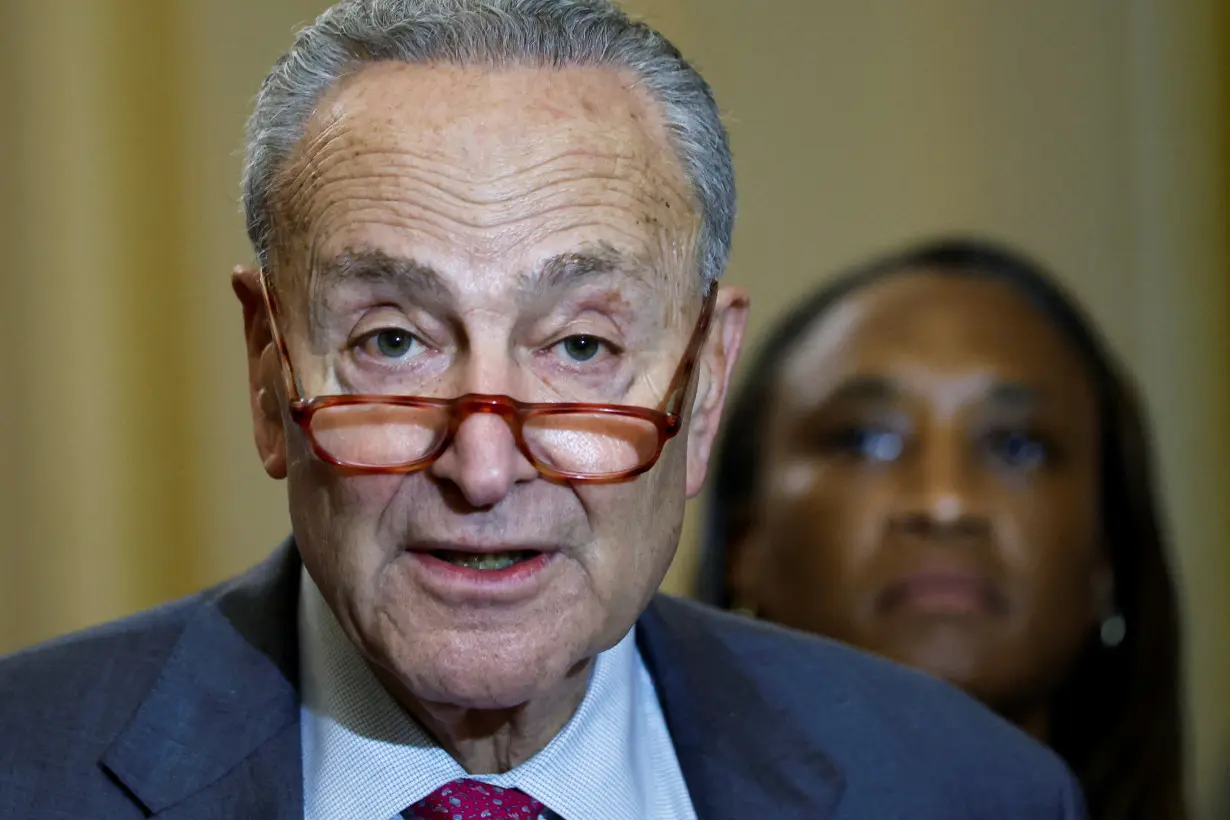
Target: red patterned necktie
(471,800)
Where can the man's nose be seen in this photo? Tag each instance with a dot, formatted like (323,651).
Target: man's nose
(941,491)
(483,461)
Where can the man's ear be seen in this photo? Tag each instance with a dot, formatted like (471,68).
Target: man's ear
(717,363)
(263,372)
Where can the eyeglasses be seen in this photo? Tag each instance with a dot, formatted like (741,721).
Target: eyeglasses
(565,441)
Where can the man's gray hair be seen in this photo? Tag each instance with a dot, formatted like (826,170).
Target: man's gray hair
(549,33)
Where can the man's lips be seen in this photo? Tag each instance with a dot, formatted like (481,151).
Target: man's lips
(482,574)
(476,548)
(942,591)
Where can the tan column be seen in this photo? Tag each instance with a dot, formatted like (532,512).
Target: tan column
(99,487)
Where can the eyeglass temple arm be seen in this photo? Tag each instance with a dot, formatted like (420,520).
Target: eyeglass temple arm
(290,382)
(676,395)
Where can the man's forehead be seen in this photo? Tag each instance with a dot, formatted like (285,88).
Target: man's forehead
(525,171)
(496,169)
(489,116)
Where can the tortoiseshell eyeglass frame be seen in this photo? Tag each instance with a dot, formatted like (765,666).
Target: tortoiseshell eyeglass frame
(666,419)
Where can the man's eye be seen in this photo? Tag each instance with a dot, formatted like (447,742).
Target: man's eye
(389,343)
(581,348)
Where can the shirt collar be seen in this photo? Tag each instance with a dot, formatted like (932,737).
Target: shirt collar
(364,758)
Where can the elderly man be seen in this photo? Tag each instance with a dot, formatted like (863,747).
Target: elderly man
(487,352)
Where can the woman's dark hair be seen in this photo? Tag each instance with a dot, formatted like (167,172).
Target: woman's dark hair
(1117,718)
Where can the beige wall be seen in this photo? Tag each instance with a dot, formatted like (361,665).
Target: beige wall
(1094,134)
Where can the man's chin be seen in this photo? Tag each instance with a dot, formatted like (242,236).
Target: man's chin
(478,684)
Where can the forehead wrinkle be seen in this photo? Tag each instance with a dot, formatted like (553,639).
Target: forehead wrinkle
(346,115)
(638,175)
(393,176)
(428,219)
(381,140)
(321,153)
(500,236)
(385,202)
(302,173)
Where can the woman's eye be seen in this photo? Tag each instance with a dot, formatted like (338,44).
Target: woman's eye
(1018,449)
(389,343)
(869,443)
(581,348)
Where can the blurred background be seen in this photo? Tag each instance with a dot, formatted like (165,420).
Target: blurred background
(1095,135)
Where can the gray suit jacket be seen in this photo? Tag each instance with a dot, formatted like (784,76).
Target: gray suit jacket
(191,712)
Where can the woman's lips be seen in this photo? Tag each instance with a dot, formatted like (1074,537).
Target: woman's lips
(942,592)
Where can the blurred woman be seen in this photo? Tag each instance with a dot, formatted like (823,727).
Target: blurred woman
(937,459)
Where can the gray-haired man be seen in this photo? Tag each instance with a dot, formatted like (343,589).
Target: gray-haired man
(487,352)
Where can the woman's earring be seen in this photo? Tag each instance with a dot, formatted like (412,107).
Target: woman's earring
(1113,630)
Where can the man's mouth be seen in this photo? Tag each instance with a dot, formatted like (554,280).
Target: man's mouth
(488,561)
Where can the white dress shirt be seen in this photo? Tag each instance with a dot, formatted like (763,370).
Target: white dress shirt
(365,758)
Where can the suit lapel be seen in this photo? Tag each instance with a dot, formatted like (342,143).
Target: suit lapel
(740,755)
(218,735)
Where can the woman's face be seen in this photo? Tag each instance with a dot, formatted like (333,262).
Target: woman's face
(930,488)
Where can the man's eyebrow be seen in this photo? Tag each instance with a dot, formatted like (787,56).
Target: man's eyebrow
(557,273)
(567,270)
(373,266)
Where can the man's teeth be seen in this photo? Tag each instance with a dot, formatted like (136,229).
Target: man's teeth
(485,561)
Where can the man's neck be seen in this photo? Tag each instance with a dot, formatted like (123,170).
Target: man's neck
(492,741)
